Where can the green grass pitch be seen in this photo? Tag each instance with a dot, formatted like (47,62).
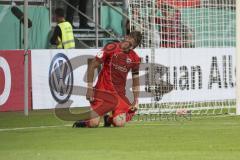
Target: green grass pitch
(42,136)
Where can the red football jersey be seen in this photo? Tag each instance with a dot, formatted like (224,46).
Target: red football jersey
(116,65)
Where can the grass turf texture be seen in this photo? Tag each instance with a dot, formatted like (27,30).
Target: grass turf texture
(202,138)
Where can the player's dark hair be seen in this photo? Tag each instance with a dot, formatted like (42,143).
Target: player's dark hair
(137,36)
(59,12)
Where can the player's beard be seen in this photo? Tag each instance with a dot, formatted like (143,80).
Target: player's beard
(126,46)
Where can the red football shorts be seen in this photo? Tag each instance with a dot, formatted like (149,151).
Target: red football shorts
(105,101)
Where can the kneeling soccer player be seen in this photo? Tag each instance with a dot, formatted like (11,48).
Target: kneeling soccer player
(117,59)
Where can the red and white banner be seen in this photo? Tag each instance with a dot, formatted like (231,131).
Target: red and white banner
(12,80)
(181,3)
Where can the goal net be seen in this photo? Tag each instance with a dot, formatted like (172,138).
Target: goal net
(190,48)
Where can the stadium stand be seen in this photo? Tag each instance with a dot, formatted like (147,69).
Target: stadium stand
(109,20)
(11,33)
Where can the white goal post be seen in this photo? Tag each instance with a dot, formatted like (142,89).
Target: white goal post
(238,56)
(195,41)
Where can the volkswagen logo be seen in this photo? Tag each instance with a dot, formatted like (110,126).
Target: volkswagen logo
(61,78)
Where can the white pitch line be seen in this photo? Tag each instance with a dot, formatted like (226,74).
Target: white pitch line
(44,127)
(131,124)
(25,128)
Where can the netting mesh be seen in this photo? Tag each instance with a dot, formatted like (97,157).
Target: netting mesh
(184,24)
(195,24)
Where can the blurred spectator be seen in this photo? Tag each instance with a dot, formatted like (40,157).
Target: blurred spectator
(173,34)
(170,24)
(82,6)
(187,36)
(63,34)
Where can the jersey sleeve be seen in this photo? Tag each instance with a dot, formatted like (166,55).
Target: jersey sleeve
(136,65)
(101,56)
(106,52)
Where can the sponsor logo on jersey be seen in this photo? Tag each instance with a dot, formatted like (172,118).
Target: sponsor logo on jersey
(100,54)
(128,60)
(120,68)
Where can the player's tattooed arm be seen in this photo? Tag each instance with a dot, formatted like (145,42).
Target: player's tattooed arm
(90,75)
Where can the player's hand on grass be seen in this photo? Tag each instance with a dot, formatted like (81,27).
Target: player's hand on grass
(89,95)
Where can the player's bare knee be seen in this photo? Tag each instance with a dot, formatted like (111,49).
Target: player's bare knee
(93,123)
(119,120)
